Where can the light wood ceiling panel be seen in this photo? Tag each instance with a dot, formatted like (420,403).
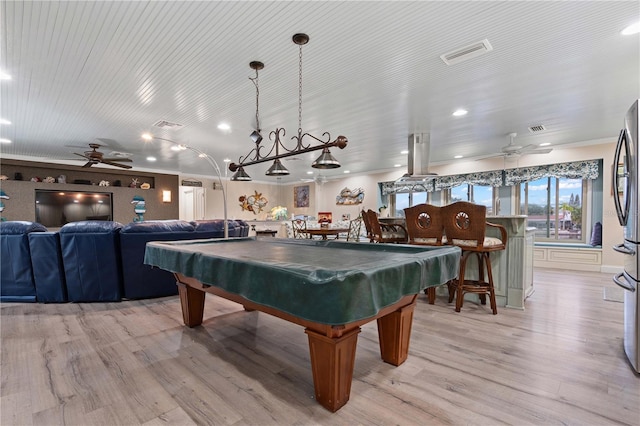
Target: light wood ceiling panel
(372,71)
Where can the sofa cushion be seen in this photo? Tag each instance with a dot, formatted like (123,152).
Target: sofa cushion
(91,259)
(16,272)
(141,281)
(19,227)
(214,228)
(155,226)
(48,269)
(91,226)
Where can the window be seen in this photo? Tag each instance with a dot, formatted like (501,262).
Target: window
(555,207)
(477,194)
(461,193)
(402,200)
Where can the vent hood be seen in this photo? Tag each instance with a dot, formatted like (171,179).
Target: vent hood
(418,164)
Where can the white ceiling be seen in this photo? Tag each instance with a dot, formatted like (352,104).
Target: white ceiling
(89,70)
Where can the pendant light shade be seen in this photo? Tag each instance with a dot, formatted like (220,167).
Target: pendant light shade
(241,175)
(326,161)
(277,169)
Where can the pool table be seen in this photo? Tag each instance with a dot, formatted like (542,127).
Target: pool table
(329,287)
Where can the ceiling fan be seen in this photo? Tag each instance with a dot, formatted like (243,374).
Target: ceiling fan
(512,150)
(96,157)
(319,179)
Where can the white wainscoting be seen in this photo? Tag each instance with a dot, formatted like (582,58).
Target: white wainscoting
(561,257)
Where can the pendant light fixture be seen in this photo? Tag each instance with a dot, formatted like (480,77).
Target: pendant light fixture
(325,161)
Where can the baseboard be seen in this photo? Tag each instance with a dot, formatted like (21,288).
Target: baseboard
(611,269)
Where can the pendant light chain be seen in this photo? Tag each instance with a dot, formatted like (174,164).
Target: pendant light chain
(300,91)
(256,83)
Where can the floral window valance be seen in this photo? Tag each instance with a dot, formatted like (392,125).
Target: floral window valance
(404,187)
(576,170)
(491,178)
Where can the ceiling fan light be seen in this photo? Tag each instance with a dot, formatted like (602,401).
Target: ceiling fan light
(326,161)
(277,169)
(241,175)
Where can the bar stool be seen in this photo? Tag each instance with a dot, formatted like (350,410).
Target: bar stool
(425,227)
(465,225)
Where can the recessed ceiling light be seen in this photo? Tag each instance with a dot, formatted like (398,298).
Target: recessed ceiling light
(309,173)
(458,156)
(346,171)
(4,76)
(227,160)
(545,144)
(397,165)
(460,112)
(224,126)
(151,158)
(632,29)
(3,121)
(405,152)
(3,140)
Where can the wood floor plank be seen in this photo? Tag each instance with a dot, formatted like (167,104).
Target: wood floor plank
(560,361)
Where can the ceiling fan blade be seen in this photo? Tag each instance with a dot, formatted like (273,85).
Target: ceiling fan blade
(124,166)
(484,157)
(89,164)
(118,159)
(81,155)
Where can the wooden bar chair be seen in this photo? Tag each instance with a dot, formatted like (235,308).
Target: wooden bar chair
(425,227)
(383,232)
(465,226)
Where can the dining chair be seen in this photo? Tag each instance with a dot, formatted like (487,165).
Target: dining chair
(367,225)
(299,227)
(425,227)
(383,232)
(465,226)
(354,229)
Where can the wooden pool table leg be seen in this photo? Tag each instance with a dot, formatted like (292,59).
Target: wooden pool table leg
(394,333)
(332,361)
(192,302)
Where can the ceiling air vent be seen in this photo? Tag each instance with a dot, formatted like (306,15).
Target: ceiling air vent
(168,125)
(467,52)
(537,128)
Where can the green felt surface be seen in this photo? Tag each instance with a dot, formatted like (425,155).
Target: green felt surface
(329,282)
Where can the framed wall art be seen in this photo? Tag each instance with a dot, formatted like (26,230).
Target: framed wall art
(301,196)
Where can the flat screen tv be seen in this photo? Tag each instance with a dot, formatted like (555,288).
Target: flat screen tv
(57,208)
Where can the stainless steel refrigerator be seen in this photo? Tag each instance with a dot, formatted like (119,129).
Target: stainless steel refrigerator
(626,181)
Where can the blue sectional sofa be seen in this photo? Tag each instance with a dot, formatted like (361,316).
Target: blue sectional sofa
(93,261)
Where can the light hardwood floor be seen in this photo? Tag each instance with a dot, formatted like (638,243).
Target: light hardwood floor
(558,362)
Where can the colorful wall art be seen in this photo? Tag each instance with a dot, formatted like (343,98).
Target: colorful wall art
(254,203)
(350,196)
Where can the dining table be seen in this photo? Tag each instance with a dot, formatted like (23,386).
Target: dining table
(325,232)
